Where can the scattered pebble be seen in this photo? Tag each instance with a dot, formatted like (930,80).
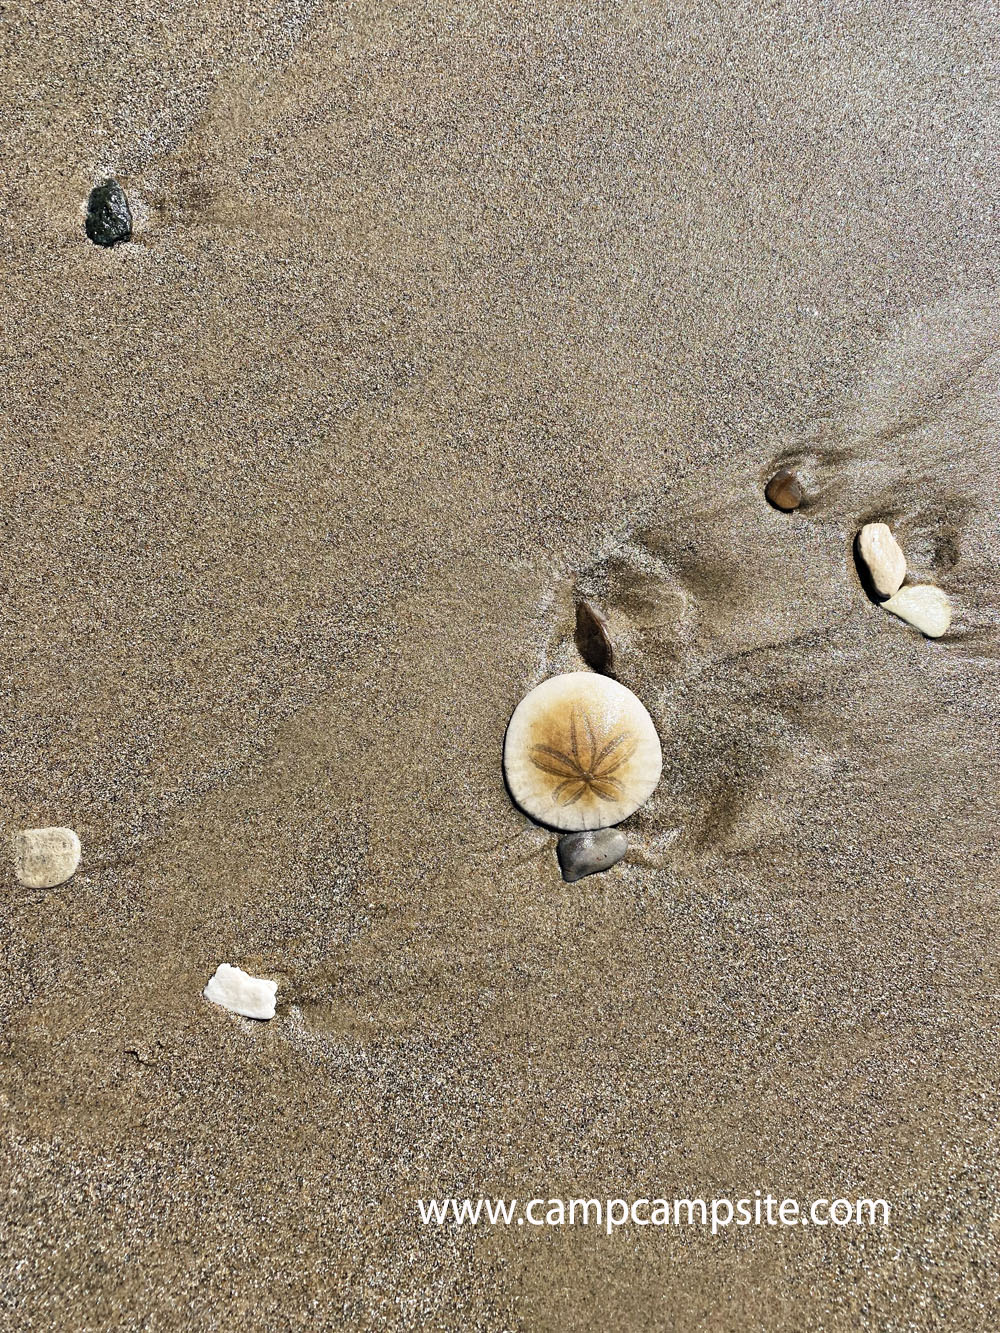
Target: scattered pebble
(784,490)
(45,857)
(581,752)
(593,639)
(883,558)
(588,853)
(236,990)
(927,609)
(109,218)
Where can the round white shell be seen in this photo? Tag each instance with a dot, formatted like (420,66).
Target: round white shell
(581,752)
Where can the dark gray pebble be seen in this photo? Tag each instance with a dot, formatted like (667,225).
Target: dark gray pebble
(109,218)
(590,852)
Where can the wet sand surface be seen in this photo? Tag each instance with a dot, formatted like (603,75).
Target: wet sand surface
(433,317)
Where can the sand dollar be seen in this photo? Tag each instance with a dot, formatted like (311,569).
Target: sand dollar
(581,752)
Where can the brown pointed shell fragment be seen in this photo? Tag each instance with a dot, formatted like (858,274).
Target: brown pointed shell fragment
(784,490)
(593,639)
(581,752)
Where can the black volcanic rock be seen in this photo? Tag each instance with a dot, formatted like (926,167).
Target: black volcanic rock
(109,218)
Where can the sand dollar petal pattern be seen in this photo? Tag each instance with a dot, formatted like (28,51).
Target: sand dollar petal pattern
(581,752)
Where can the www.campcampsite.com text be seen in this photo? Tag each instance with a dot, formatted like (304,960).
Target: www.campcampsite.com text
(758,1210)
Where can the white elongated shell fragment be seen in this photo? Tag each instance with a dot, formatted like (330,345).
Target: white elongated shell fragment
(883,557)
(926,608)
(45,857)
(236,990)
(581,752)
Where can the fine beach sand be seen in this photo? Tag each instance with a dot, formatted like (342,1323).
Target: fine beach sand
(435,317)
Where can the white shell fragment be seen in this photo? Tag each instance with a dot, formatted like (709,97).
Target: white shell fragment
(45,857)
(581,752)
(926,608)
(236,990)
(883,558)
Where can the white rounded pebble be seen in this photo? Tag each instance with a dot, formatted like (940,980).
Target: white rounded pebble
(926,608)
(883,557)
(581,752)
(236,990)
(45,857)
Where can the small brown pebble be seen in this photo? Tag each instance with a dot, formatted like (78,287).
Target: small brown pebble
(593,639)
(784,490)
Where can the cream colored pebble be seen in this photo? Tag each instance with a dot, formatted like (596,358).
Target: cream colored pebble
(883,557)
(45,857)
(927,609)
